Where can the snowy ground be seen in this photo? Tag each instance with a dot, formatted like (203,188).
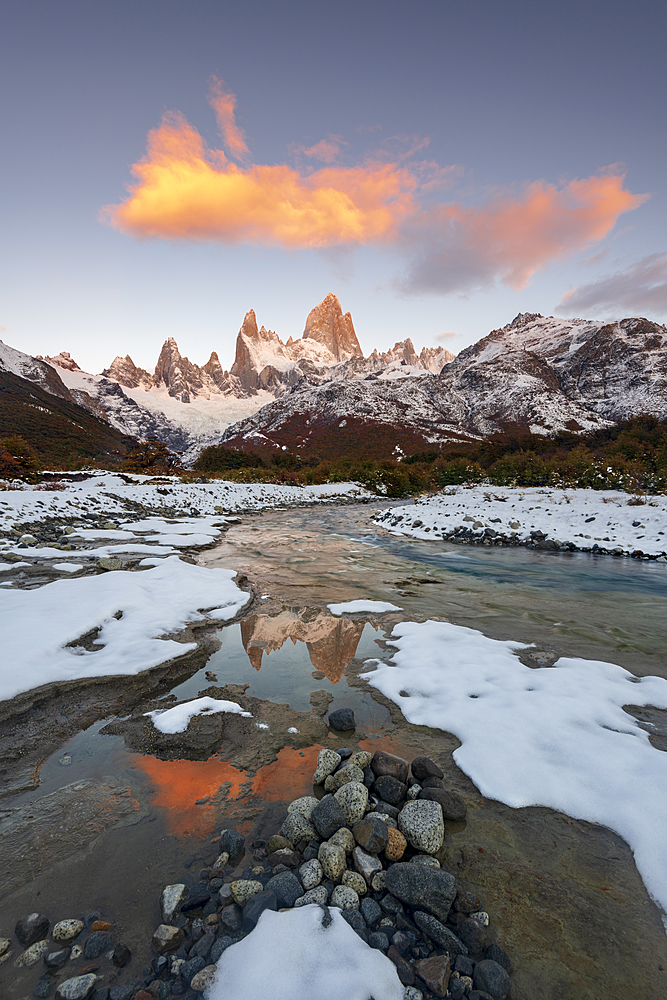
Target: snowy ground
(553,736)
(132,610)
(587,519)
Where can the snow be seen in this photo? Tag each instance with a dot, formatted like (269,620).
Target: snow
(177,719)
(320,963)
(67,567)
(582,517)
(539,736)
(39,624)
(356,606)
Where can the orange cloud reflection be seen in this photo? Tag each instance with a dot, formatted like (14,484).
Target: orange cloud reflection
(179,784)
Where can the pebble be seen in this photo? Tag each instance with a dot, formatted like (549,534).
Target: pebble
(372,834)
(56,959)
(332,859)
(481,916)
(352,798)
(390,789)
(425,859)
(366,864)
(254,908)
(388,763)
(328,816)
(434,971)
(166,938)
(440,934)
(413,791)
(492,978)
(353,880)
(121,955)
(32,928)
(297,828)
(424,767)
(66,930)
(378,883)
(232,843)
(221,861)
(452,804)
(303,805)
(379,940)
(77,952)
(171,899)
(342,719)
(32,954)
(97,943)
(77,988)
(345,898)
(343,838)
(5,945)
(277,843)
(317,895)
(389,820)
(286,887)
(327,762)
(421,823)
(346,773)
(396,845)
(311,874)
(371,910)
(203,979)
(362,759)
(431,889)
(108,563)
(244,889)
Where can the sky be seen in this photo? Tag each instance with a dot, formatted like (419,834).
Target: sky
(439,166)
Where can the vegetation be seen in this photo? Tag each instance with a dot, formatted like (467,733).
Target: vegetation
(630,456)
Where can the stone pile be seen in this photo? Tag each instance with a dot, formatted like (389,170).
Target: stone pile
(368,846)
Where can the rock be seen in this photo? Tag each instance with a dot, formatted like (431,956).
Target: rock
(389,820)
(44,990)
(303,805)
(253,909)
(466,902)
(386,809)
(356,922)
(219,945)
(343,838)
(425,859)
(278,843)
(77,988)
(464,965)
(345,898)
(317,895)
(421,823)
(362,759)
(390,790)
(379,940)
(243,889)
(424,767)
(297,828)
(388,763)
(434,972)
(5,945)
(327,762)
(421,886)
(391,905)
(77,951)
(191,967)
(225,895)
(413,791)
(195,902)
(203,979)
(56,959)
(378,883)
(432,783)
(221,861)
(203,946)
(439,934)
(471,933)
(101,925)
(371,834)
(396,845)
(231,918)
(405,973)
(371,911)
(311,874)
(108,563)
(332,859)
(173,896)
(412,993)
(32,955)
(496,954)
(286,887)
(121,955)
(481,916)
(328,816)
(369,777)
(352,798)
(349,772)
(366,864)
(66,930)
(125,992)
(452,804)
(284,857)
(167,938)
(353,880)
(232,843)
(32,928)
(492,978)
(342,719)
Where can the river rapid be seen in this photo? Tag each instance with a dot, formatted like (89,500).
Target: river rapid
(564,896)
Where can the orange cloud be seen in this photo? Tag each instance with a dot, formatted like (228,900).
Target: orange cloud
(224,104)
(512,238)
(184,190)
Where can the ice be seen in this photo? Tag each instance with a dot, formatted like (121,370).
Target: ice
(177,719)
(39,624)
(540,736)
(293,956)
(370,606)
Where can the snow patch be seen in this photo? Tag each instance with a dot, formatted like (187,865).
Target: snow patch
(177,719)
(356,606)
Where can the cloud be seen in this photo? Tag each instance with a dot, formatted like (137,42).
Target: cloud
(185,190)
(224,104)
(642,287)
(445,336)
(454,248)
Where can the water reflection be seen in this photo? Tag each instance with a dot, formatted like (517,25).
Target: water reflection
(331,642)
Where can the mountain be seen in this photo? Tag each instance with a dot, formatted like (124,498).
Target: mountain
(189,407)
(543,374)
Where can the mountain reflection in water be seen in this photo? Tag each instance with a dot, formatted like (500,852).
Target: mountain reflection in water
(331,642)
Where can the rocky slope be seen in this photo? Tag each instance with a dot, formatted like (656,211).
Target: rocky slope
(539,373)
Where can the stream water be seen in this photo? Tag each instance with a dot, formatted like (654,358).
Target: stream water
(154,817)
